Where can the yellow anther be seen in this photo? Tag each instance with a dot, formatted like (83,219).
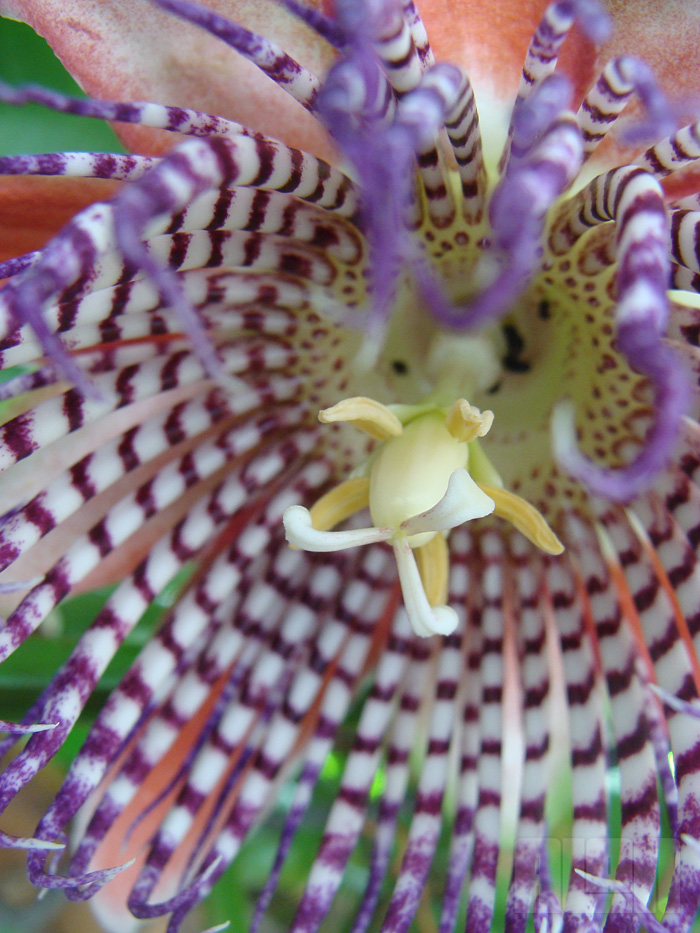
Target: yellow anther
(369,416)
(340,503)
(466,422)
(524,517)
(433,561)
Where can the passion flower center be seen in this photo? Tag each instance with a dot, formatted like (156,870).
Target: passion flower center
(425,478)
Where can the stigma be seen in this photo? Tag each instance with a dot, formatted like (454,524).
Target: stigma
(427,475)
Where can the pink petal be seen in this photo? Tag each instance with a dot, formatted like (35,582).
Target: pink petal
(489,40)
(32,210)
(133,51)
(666,34)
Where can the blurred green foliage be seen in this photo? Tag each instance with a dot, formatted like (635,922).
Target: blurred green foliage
(27,59)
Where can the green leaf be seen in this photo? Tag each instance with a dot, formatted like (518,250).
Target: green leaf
(25,58)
